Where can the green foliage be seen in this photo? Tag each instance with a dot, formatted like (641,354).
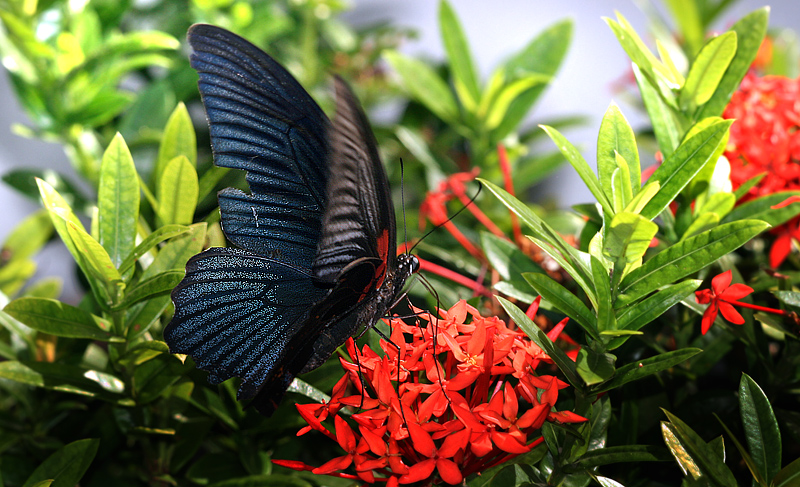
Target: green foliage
(98,372)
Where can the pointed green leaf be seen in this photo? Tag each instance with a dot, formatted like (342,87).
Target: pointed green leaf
(789,476)
(65,378)
(649,366)
(602,284)
(616,137)
(96,259)
(424,85)
(459,55)
(160,284)
(628,238)
(161,234)
(687,257)
(640,314)
(564,301)
(28,237)
(60,319)
(758,477)
(60,214)
(622,192)
(175,254)
(177,192)
(637,204)
(721,204)
(540,338)
(761,209)
(702,223)
(581,167)
(118,200)
(178,139)
(576,263)
(506,258)
(710,465)
(750,31)
(667,129)
(543,55)
(678,169)
(508,94)
(623,454)
(760,428)
(67,465)
(707,70)
(594,367)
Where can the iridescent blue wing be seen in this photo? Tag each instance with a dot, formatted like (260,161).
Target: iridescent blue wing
(261,120)
(235,314)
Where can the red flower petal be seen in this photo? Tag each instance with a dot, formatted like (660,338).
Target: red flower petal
(730,313)
(448,471)
(709,316)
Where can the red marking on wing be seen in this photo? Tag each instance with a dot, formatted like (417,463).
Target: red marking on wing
(383,252)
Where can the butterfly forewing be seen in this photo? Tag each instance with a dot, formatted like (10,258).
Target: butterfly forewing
(261,120)
(359,221)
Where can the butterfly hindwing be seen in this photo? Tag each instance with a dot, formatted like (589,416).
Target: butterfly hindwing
(236,312)
(261,120)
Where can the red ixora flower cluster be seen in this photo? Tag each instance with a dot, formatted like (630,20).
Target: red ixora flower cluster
(765,140)
(446,400)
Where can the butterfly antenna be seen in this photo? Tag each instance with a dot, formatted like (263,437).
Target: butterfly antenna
(403,202)
(451,218)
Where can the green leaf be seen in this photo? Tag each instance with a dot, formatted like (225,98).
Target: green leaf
(602,285)
(176,252)
(750,31)
(789,476)
(707,70)
(28,237)
(761,209)
(562,361)
(701,453)
(623,454)
(760,428)
(67,465)
(687,257)
(581,167)
(758,476)
(118,201)
(153,377)
(616,137)
(425,86)
(506,258)
(103,276)
(667,129)
(640,314)
(65,378)
(60,319)
(508,93)
(543,55)
(573,261)
(177,192)
(649,366)
(458,53)
(178,139)
(594,367)
(161,234)
(564,301)
(24,181)
(160,284)
(628,238)
(679,168)
(688,19)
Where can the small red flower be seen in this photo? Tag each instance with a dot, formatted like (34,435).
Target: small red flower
(721,298)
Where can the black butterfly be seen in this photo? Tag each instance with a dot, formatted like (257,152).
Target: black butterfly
(316,257)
